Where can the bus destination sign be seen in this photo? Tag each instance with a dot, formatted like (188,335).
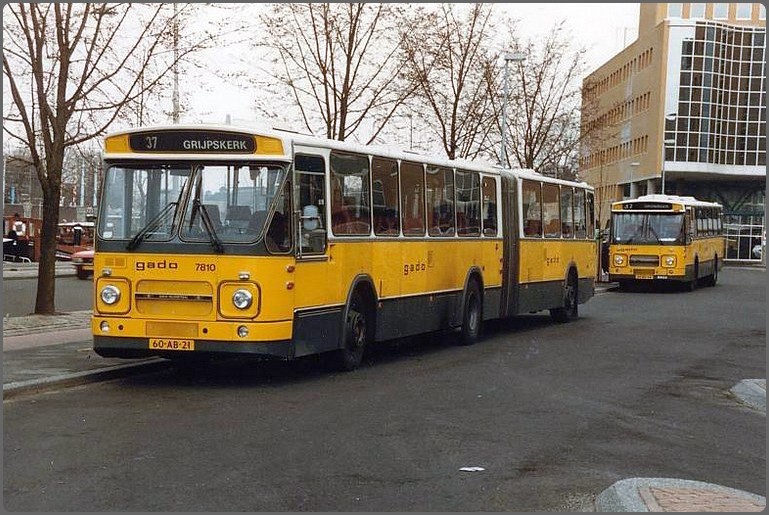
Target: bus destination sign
(642,206)
(205,142)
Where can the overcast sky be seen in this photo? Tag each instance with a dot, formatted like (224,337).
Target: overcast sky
(603,29)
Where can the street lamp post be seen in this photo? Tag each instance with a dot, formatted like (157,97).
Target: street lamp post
(516,57)
(664,151)
(633,166)
(670,117)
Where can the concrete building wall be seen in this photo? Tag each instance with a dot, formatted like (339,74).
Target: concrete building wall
(686,101)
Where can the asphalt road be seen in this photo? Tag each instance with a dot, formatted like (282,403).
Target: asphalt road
(72,294)
(552,414)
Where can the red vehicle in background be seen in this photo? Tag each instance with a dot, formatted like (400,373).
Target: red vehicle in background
(72,237)
(83,261)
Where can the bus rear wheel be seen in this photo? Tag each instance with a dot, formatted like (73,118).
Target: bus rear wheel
(357,334)
(569,311)
(472,317)
(712,279)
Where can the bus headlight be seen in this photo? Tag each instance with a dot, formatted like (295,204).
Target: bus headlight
(670,261)
(619,260)
(110,295)
(242,299)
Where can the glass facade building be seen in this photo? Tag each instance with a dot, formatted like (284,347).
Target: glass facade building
(682,110)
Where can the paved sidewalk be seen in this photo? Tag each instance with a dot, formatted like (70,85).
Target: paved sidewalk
(36,324)
(679,495)
(17,270)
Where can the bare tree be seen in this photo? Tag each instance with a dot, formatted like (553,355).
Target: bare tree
(545,103)
(449,58)
(71,70)
(339,63)
(596,128)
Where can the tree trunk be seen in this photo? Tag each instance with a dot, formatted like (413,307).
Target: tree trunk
(46,281)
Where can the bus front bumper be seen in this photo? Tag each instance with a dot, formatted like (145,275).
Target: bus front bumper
(138,338)
(650,275)
(128,347)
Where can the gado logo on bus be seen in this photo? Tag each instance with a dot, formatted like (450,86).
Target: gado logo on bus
(163,264)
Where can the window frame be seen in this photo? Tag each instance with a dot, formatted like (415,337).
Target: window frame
(390,231)
(472,205)
(343,211)
(406,228)
(526,207)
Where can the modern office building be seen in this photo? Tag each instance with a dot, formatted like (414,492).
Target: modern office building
(682,110)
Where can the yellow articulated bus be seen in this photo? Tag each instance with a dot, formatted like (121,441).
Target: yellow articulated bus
(213,239)
(666,237)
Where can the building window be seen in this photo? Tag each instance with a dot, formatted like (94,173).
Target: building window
(697,11)
(744,11)
(675,10)
(720,11)
(761,12)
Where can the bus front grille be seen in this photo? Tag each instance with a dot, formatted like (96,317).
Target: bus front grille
(174,298)
(641,260)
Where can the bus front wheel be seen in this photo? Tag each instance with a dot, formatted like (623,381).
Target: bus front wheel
(357,334)
(569,311)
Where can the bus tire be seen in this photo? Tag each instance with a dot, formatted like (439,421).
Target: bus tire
(358,332)
(692,285)
(712,279)
(472,315)
(570,310)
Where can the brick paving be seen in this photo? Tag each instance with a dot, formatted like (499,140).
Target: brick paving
(697,500)
(35,324)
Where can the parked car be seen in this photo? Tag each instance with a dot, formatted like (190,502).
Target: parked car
(83,261)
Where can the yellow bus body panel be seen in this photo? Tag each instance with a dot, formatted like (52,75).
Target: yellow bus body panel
(190,295)
(544,260)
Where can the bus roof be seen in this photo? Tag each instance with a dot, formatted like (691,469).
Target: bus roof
(665,199)
(288,139)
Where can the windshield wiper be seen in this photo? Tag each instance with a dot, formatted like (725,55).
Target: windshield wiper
(209,227)
(151,226)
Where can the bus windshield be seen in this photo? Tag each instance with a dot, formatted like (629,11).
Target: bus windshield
(141,199)
(216,203)
(231,203)
(648,228)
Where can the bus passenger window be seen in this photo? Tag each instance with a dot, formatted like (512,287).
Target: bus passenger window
(440,201)
(551,210)
(412,199)
(579,214)
(350,213)
(532,209)
(384,191)
(567,211)
(489,207)
(468,203)
(590,214)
